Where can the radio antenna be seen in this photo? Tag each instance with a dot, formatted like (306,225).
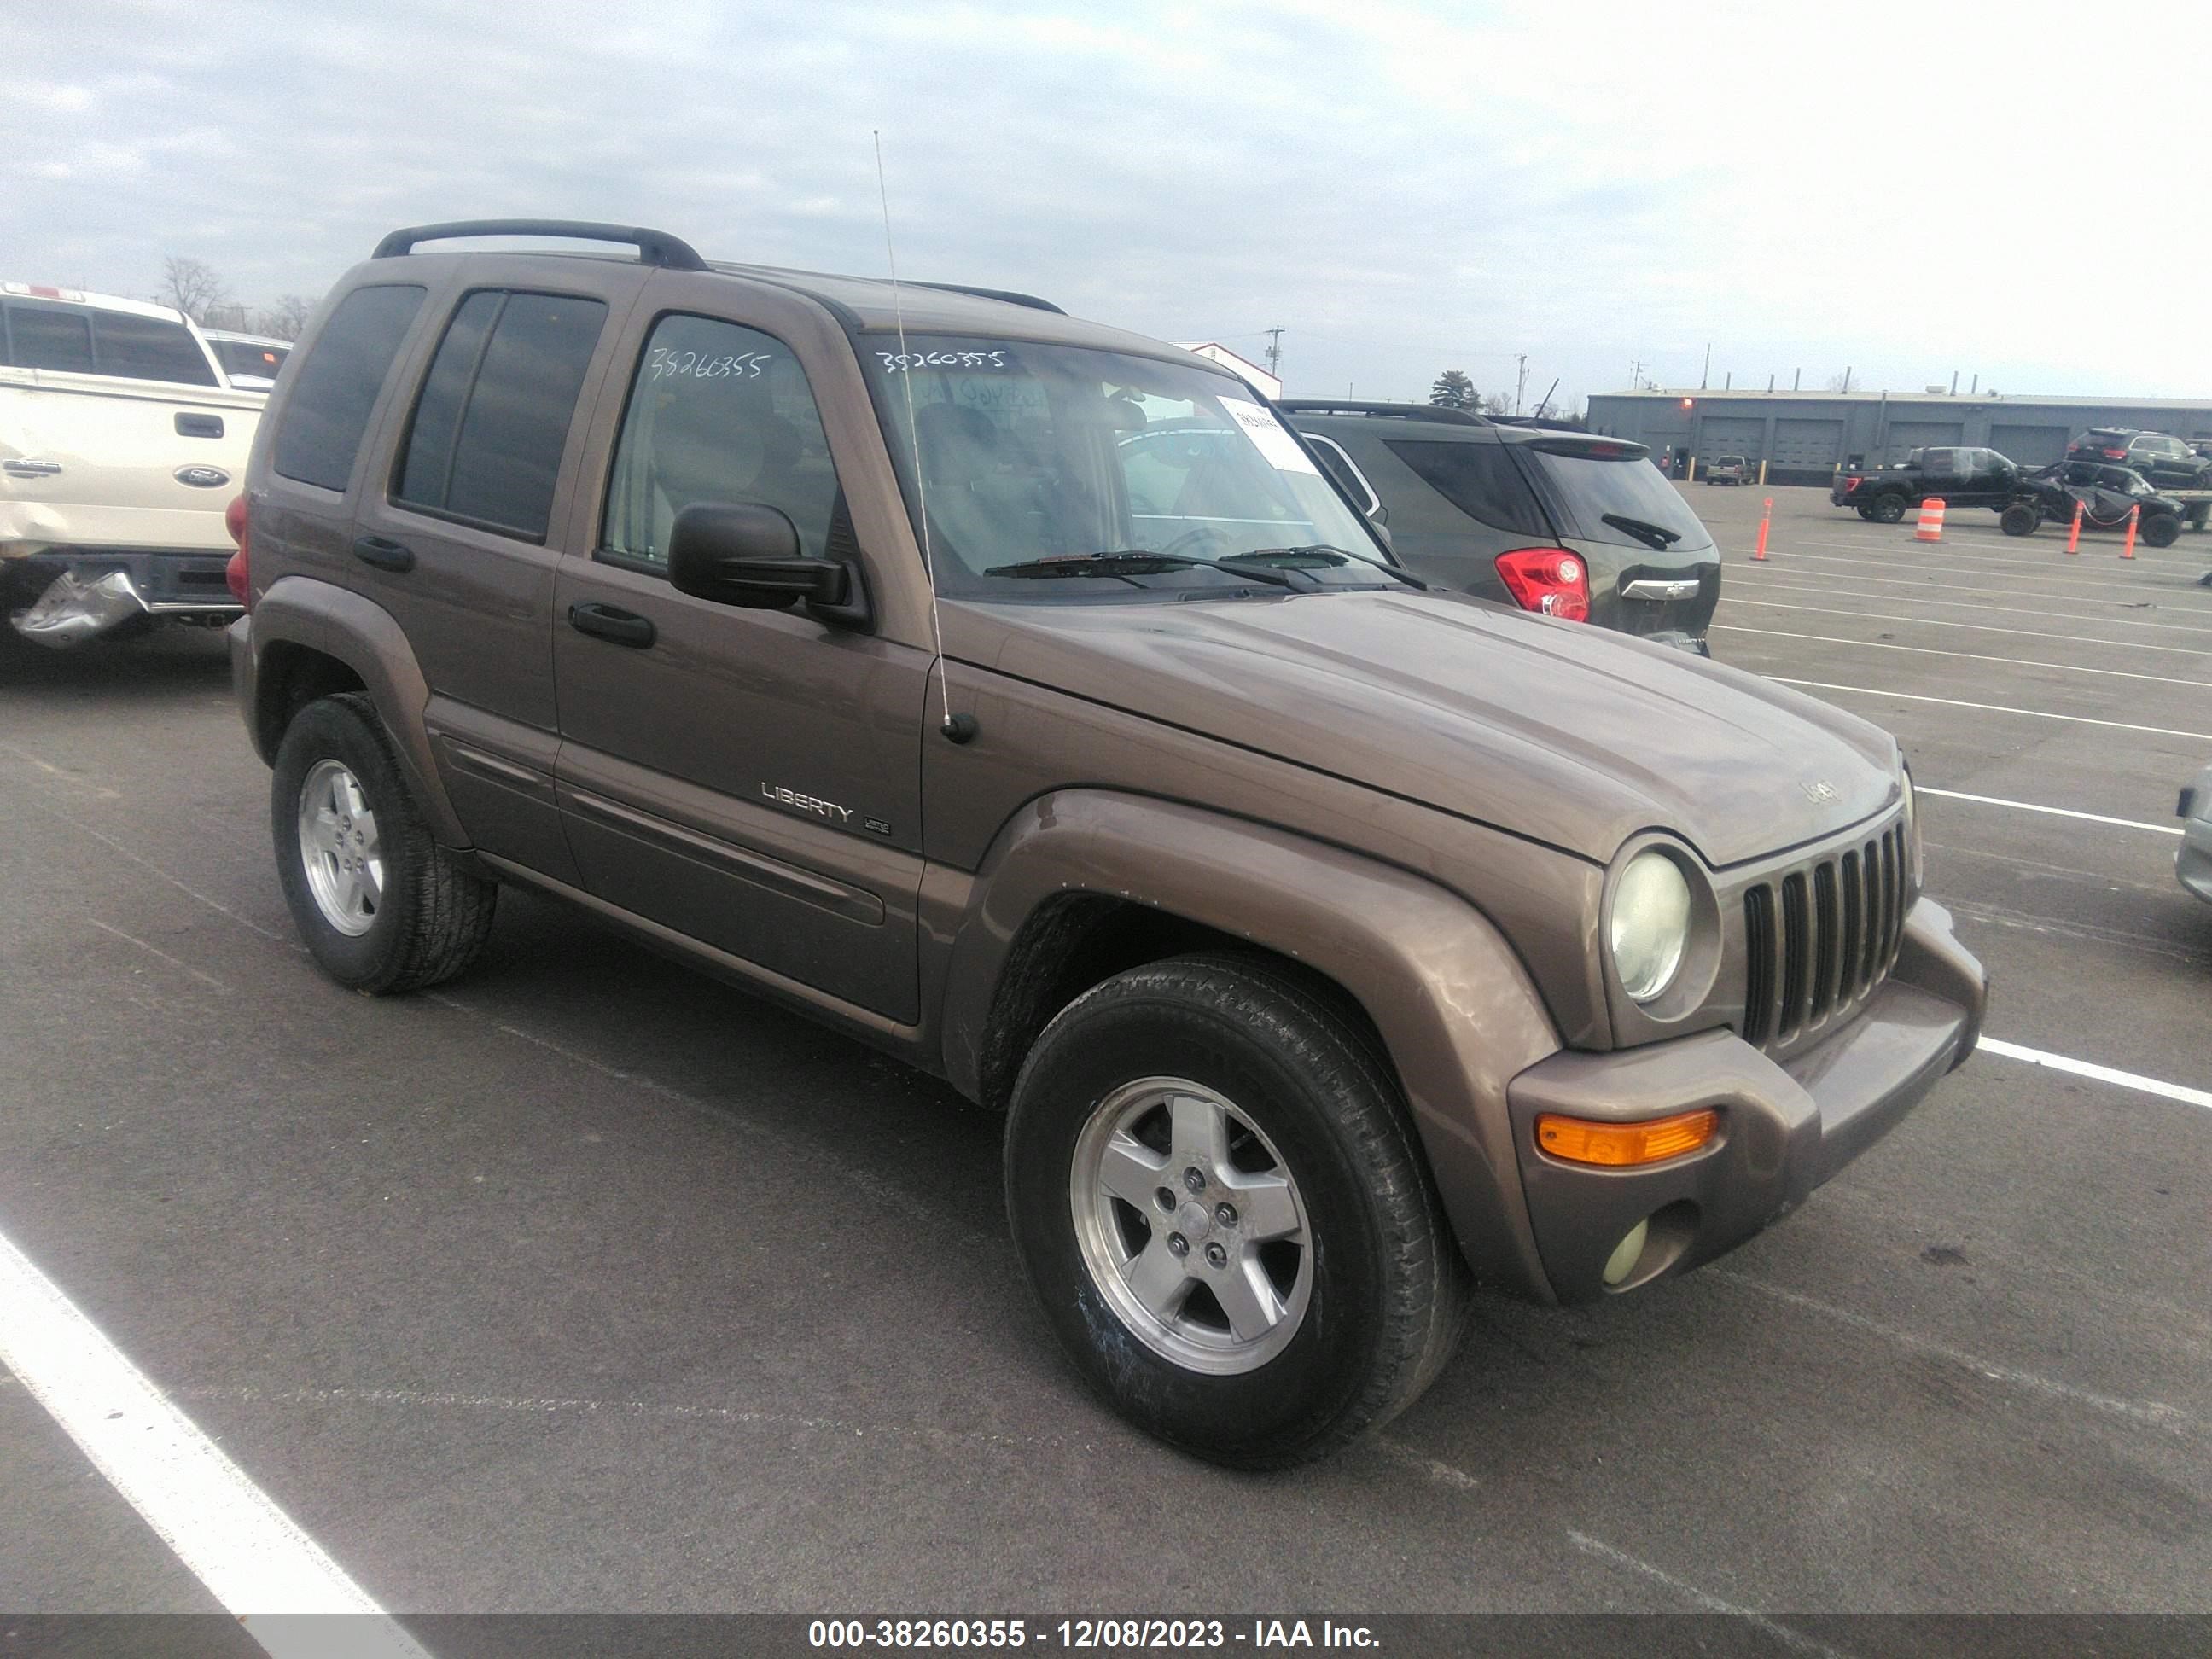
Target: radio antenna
(957,728)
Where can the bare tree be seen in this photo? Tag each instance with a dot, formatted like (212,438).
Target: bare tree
(191,287)
(1498,404)
(285,320)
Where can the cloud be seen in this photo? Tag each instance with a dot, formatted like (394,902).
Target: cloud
(1404,188)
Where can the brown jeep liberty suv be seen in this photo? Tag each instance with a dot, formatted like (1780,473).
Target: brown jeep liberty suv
(1328,942)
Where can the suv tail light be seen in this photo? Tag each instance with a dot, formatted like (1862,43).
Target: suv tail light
(2113,454)
(236,574)
(1548,579)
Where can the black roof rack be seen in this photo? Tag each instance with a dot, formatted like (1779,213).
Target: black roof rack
(1393,411)
(654,247)
(1007,295)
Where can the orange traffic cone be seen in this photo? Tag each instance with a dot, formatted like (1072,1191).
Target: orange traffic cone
(2128,547)
(1931,520)
(1764,519)
(2073,536)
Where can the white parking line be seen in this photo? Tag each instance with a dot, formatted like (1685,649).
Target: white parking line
(2055,812)
(1966,656)
(1776,580)
(2051,585)
(1794,1640)
(2004,555)
(2149,1085)
(1994,709)
(2204,650)
(1923,585)
(252,1555)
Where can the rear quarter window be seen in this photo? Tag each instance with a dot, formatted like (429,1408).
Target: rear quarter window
(147,348)
(334,387)
(49,337)
(1479,479)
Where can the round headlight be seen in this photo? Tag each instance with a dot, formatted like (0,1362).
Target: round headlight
(1650,924)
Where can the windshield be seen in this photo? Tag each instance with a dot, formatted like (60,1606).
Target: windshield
(1032,453)
(1590,495)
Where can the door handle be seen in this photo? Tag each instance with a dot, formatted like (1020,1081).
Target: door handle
(605,622)
(384,554)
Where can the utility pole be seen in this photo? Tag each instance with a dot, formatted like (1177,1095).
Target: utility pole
(1275,351)
(1520,380)
(1706,373)
(1636,374)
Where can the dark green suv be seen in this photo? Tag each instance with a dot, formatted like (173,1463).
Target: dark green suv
(1564,523)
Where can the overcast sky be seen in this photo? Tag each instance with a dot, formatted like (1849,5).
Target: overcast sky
(1974,187)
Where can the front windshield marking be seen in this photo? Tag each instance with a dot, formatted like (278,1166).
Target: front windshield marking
(1032,452)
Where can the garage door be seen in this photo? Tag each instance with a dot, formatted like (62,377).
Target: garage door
(1818,444)
(2031,446)
(1921,434)
(1730,435)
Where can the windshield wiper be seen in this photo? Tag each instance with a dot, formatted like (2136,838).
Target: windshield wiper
(1650,534)
(1324,553)
(1135,562)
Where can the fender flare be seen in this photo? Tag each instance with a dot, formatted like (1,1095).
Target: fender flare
(1455,1009)
(363,635)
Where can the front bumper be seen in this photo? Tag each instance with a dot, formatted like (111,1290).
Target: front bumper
(1785,1128)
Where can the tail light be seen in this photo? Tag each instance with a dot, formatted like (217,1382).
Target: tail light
(2113,454)
(1853,483)
(1548,579)
(236,574)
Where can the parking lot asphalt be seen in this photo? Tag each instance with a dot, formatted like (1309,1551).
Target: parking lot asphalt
(585,1283)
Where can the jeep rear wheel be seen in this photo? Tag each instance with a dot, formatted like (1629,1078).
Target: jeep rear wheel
(381,907)
(2018,520)
(1223,1213)
(2161,529)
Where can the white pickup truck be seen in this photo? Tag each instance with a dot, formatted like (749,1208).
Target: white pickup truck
(122,443)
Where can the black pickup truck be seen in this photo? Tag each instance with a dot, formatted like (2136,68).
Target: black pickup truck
(1963,478)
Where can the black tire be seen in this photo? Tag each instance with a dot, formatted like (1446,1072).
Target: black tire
(2018,520)
(2161,529)
(1387,1287)
(2199,514)
(431,917)
(1887,509)
(1866,513)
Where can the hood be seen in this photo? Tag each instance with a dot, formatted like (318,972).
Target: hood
(1563,734)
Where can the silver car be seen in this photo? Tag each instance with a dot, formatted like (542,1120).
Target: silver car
(2193,863)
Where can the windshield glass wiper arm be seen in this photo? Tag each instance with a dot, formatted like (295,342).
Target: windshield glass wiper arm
(1132,563)
(1652,535)
(1333,554)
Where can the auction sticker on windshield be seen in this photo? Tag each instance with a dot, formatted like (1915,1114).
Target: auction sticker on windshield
(1282,450)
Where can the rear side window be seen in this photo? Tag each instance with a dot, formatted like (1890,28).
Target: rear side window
(334,389)
(49,337)
(1584,487)
(147,348)
(494,415)
(1478,479)
(243,357)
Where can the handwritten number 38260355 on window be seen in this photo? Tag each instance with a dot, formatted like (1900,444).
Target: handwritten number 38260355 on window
(664,364)
(897,362)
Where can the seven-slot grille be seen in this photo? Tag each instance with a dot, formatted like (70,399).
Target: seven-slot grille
(1820,938)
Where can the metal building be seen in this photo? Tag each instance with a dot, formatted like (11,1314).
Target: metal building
(1803,436)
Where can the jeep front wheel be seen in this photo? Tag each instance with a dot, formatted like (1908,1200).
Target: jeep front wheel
(2020,519)
(1223,1213)
(381,907)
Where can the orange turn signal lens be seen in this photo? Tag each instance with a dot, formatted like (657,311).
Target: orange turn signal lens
(1617,1146)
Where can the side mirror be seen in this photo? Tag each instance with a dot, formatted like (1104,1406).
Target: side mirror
(748,554)
(1380,516)
(1382,534)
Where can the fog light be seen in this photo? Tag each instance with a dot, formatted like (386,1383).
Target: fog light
(1626,1254)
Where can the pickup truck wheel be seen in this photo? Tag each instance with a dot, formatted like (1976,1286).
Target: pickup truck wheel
(1223,1213)
(382,906)
(1887,509)
(2018,520)
(2161,529)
